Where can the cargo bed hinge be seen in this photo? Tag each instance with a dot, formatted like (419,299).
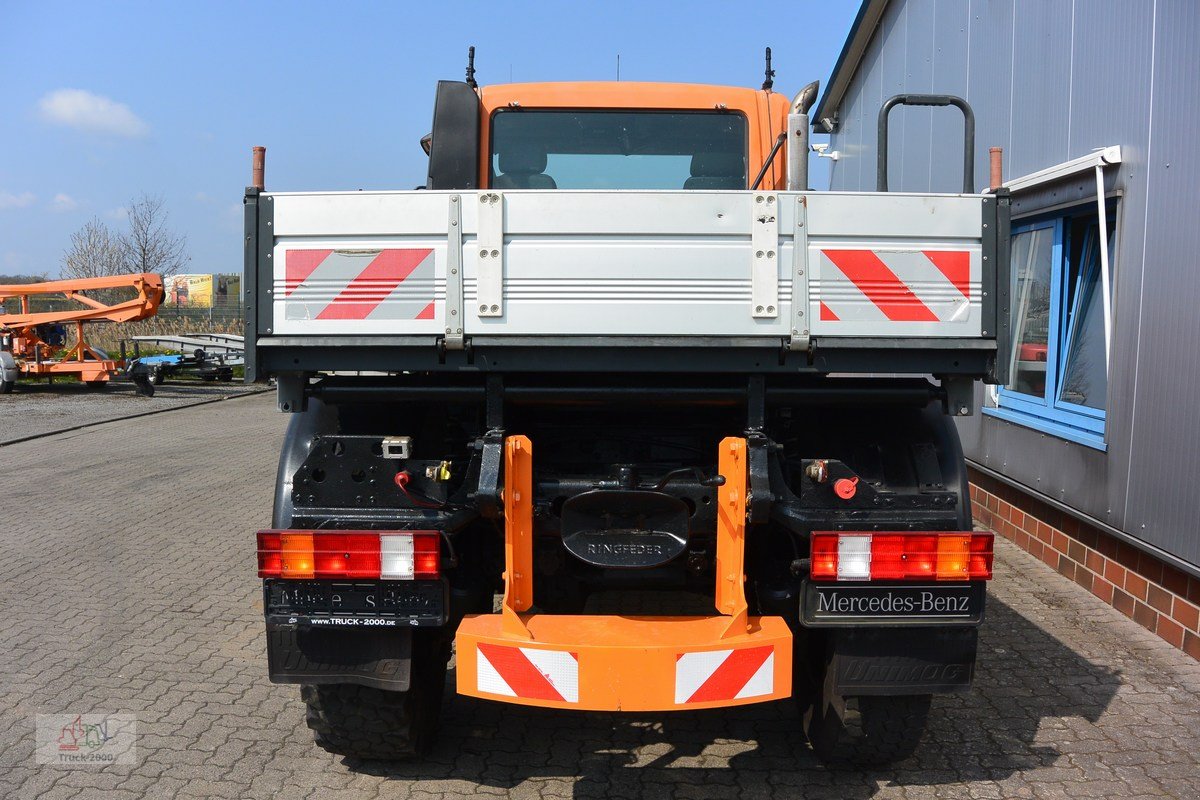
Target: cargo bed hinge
(800,322)
(454,339)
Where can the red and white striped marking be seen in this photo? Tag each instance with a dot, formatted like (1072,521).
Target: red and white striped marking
(528,672)
(724,674)
(894,285)
(393,283)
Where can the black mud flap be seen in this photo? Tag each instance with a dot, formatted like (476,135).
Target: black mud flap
(377,658)
(898,661)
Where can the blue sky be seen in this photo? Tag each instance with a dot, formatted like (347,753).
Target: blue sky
(100,102)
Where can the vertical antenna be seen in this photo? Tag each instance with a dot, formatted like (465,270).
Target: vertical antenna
(769,83)
(471,67)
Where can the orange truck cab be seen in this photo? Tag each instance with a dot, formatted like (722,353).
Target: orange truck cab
(607,135)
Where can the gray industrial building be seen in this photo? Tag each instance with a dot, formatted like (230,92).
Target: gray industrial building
(1099,419)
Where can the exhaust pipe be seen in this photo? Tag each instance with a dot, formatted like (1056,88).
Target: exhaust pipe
(258,168)
(996,156)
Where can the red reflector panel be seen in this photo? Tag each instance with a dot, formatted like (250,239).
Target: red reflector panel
(427,555)
(270,562)
(345,555)
(907,556)
(824,556)
(888,557)
(982,550)
(920,556)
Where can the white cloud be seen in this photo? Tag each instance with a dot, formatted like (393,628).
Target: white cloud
(10,200)
(64,202)
(119,213)
(81,109)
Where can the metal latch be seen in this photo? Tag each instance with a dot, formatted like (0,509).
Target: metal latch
(764,257)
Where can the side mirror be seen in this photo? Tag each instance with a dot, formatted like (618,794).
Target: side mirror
(427,143)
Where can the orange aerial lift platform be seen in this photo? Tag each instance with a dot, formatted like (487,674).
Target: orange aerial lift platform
(28,343)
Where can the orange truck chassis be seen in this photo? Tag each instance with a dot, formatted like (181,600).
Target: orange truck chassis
(618,354)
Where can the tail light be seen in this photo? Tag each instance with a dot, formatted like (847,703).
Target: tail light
(388,555)
(853,556)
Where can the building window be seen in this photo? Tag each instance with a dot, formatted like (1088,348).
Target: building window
(1058,375)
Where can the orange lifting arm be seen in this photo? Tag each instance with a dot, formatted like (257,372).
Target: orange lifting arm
(149,294)
(731,535)
(518,533)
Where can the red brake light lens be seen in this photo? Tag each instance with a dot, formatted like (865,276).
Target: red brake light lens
(270,556)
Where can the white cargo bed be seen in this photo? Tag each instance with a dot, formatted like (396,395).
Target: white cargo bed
(623,266)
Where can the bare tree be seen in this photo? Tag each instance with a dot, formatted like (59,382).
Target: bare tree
(150,246)
(13,280)
(95,252)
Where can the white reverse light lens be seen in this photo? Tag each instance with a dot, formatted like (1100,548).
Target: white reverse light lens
(396,556)
(854,558)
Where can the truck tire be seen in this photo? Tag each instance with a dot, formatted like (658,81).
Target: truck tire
(883,731)
(373,724)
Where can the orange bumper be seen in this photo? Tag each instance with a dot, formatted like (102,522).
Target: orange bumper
(612,663)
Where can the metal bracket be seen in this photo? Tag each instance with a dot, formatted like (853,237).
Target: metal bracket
(290,394)
(490,281)
(454,283)
(959,400)
(764,256)
(761,498)
(801,324)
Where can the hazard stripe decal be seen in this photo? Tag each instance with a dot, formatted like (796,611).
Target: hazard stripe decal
(880,285)
(955,265)
(719,675)
(299,264)
(529,673)
(372,286)
(827,314)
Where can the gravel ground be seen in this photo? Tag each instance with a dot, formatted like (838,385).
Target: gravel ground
(35,409)
(144,601)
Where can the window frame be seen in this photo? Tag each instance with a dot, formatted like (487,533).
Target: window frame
(1048,413)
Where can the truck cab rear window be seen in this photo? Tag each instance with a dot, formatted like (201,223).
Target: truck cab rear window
(618,150)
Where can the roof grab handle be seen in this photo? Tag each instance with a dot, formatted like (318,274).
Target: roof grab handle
(928,100)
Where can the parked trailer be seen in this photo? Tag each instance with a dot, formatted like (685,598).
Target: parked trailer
(700,378)
(209,356)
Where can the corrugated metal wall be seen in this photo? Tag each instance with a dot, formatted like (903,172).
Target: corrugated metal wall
(1049,81)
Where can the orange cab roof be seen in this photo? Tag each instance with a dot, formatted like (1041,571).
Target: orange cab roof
(621,94)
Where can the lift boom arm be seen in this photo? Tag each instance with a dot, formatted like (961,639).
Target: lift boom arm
(149,294)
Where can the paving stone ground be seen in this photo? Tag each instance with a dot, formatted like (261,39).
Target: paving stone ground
(127,585)
(34,408)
